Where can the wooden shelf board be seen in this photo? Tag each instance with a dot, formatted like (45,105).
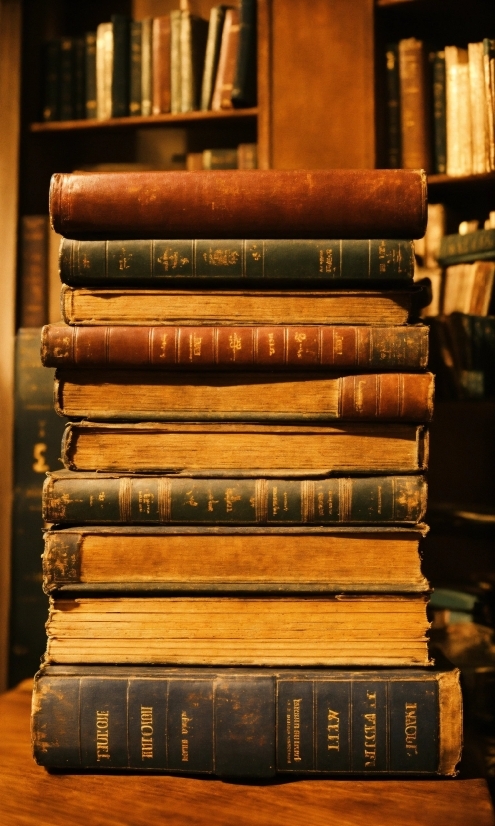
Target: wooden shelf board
(141,121)
(434,180)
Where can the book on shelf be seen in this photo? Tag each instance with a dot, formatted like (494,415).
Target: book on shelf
(393,107)
(249,722)
(244,81)
(120,66)
(105,498)
(215,29)
(160,53)
(212,347)
(135,67)
(458,111)
(468,288)
(146,65)
(467,248)
(339,203)
(90,84)
(227,62)
(344,629)
(219,159)
(245,449)
(243,396)
(193,37)
(104,71)
(247,156)
(103,262)
(229,559)
(141,307)
(33,286)
(437,62)
(414,105)
(463,355)
(51,80)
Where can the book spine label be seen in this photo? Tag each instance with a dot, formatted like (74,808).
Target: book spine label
(190,501)
(244,726)
(90,74)
(373,348)
(83,262)
(135,68)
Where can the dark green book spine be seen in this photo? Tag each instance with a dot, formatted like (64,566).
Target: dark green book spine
(81,498)
(67,78)
(79,79)
(465,249)
(135,68)
(244,87)
(439,111)
(85,262)
(51,92)
(251,723)
(393,107)
(90,74)
(37,435)
(120,69)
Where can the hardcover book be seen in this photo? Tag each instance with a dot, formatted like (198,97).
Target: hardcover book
(307,631)
(212,559)
(273,203)
(248,723)
(245,449)
(103,498)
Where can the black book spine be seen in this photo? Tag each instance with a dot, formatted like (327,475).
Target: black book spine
(79,107)
(120,69)
(51,68)
(393,107)
(90,74)
(244,88)
(248,724)
(67,78)
(439,112)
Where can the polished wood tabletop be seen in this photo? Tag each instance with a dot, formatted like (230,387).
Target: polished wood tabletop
(30,796)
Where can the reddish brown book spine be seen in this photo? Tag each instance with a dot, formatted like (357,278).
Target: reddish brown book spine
(190,348)
(227,62)
(161,64)
(275,203)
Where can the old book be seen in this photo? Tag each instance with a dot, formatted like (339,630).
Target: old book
(227,62)
(37,434)
(53,276)
(33,286)
(489,86)
(146,66)
(79,86)
(66,80)
(161,65)
(139,307)
(338,203)
(393,107)
(193,36)
(414,105)
(479,120)
(468,288)
(175,61)
(220,159)
(51,80)
(215,28)
(437,60)
(247,156)
(232,559)
(243,396)
(92,262)
(248,722)
(90,74)
(458,109)
(244,83)
(210,347)
(104,71)
(366,630)
(245,449)
(102,498)
(473,246)
(135,67)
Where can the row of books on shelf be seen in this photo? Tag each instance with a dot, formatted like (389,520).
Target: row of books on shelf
(441,107)
(175,63)
(233,559)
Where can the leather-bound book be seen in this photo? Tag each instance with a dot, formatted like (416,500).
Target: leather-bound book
(161,65)
(146,65)
(225,559)
(79,94)
(90,74)
(103,499)
(227,62)
(120,65)
(244,82)
(135,68)
(104,69)
(393,106)
(243,396)
(337,203)
(437,60)
(193,36)
(332,630)
(248,722)
(414,106)
(295,348)
(458,103)
(247,450)
(66,87)
(215,28)
(51,80)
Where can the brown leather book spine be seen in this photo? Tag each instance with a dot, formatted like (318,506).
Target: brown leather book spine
(337,203)
(391,396)
(33,282)
(374,348)
(161,64)
(227,62)
(415,105)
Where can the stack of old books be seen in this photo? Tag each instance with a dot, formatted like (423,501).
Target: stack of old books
(235,548)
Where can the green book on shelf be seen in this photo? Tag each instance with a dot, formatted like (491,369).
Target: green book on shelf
(468,248)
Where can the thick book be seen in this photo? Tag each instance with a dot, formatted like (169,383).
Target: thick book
(104,71)
(227,62)
(37,434)
(103,498)
(305,631)
(120,65)
(458,112)
(66,79)
(233,348)
(245,449)
(193,37)
(468,288)
(157,261)
(468,248)
(243,396)
(248,722)
(244,82)
(414,105)
(273,203)
(233,559)
(141,307)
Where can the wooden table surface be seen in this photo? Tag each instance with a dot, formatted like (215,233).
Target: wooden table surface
(29,796)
